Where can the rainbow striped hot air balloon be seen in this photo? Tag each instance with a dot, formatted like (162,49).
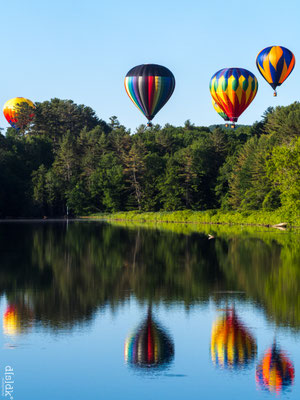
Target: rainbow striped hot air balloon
(233,89)
(275,372)
(232,345)
(149,347)
(275,63)
(19,112)
(149,86)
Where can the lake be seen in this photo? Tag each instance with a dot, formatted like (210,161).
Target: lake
(94,310)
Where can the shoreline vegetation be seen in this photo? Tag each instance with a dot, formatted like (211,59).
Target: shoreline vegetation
(278,219)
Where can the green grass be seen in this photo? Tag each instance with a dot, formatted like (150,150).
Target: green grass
(264,218)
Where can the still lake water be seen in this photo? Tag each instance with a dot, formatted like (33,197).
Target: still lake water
(93,310)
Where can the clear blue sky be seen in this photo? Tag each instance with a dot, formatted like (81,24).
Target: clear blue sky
(82,50)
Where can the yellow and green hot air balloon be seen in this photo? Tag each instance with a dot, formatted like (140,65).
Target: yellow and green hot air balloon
(233,89)
(19,112)
(220,111)
(232,345)
(275,63)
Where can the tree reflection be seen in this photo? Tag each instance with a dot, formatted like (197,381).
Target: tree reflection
(67,274)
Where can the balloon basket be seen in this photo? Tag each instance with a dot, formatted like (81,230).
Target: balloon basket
(275,94)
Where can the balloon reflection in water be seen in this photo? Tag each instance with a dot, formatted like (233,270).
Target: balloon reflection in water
(149,347)
(275,372)
(232,345)
(16,320)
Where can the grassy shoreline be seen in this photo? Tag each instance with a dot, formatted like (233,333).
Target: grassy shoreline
(256,218)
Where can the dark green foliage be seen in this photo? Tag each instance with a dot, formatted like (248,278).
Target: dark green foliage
(70,159)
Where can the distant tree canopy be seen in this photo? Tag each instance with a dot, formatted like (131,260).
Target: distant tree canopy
(68,157)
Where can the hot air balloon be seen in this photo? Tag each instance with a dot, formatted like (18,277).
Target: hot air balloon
(16,320)
(275,63)
(19,112)
(149,347)
(149,86)
(220,111)
(275,372)
(233,89)
(232,345)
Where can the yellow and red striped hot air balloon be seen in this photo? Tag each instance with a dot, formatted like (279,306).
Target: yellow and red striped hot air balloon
(19,112)
(11,321)
(150,346)
(232,345)
(16,319)
(275,63)
(275,372)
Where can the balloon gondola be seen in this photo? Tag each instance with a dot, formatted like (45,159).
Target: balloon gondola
(232,345)
(149,86)
(149,347)
(275,63)
(275,372)
(233,89)
(19,112)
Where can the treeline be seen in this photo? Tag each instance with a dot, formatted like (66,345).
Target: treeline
(68,158)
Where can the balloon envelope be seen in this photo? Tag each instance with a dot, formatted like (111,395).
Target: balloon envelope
(275,63)
(275,372)
(219,111)
(233,89)
(16,112)
(150,346)
(149,86)
(232,345)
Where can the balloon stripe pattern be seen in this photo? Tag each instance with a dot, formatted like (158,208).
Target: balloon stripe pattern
(11,111)
(149,86)
(149,346)
(275,372)
(275,63)
(233,89)
(232,346)
(219,111)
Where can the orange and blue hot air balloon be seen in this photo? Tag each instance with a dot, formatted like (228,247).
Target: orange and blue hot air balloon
(149,86)
(275,372)
(233,89)
(275,63)
(149,347)
(19,112)
(232,345)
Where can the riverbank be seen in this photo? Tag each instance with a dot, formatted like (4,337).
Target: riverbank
(260,218)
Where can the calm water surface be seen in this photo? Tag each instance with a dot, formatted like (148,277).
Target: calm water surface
(92,310)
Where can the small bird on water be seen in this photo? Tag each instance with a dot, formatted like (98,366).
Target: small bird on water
(210,237)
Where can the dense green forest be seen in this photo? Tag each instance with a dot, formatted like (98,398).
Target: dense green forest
(69,158)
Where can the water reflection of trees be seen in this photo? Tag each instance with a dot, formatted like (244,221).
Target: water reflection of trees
(66,273)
